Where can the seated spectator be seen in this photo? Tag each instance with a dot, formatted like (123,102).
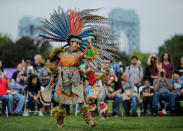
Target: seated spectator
(4,85)
(180,68)
(162,91)
(16,95)
(147,94)
(129,97)
(114,93)
(34,95)
(179,108)
(177,83)
(15,74)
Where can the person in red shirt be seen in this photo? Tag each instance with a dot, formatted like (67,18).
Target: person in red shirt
(4,85)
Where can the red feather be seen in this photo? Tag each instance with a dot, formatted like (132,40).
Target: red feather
(73,19)
(76,22)
(78,26)
(70,20)
(80,29)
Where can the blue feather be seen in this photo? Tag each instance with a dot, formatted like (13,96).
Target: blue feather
(83,33)
(67,25)
(84,43)
(56,32)
(63,34)
(61,21)
(47,37)
(82,47)
(59,25)
(86,35)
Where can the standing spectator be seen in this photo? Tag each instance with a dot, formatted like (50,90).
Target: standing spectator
(147,93)
(37,63)
(180,68)
(134,71)
(4,85)
(162,91)
(152,69)
(45,73)
(116,69)
(167,65)
(15,74)
(17,87)
(129,97)
(33,88)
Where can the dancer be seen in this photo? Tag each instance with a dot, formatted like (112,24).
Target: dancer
(73,27)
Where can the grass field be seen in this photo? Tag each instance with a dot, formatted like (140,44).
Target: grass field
(76,123)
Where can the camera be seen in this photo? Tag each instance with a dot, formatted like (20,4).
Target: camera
(162,74)
(30,70)
(153,59)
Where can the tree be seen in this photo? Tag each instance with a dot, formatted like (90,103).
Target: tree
(173,46)
(12,53)
(142,57)
(4,38)
(121,56)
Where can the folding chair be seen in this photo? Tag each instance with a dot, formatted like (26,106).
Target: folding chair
(25,105)
(138,106)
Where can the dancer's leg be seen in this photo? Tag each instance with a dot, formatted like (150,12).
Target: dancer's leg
(59,112)
(87,115)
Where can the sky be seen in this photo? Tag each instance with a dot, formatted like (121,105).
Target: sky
(159,19)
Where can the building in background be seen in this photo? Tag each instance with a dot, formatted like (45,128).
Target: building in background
(27,26)
(125,23)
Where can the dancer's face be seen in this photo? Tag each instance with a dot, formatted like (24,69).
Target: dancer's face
(75,45)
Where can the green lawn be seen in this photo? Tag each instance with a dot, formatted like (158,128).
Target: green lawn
(76,123)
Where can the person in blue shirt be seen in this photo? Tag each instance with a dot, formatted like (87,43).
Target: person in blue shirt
(116,69)
(17,89)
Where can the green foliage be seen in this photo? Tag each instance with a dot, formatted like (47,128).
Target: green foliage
(121,56)
(12,53)
(4,38)
(142,57)
(173,46)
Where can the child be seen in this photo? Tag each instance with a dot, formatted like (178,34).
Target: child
(34,95)
(147,93)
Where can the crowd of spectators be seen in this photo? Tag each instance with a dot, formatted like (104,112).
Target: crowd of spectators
(150,88)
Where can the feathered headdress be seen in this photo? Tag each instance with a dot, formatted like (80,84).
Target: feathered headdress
(78,25)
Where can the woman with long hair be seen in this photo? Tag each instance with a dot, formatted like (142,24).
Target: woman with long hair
(153,68)
(167,65)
